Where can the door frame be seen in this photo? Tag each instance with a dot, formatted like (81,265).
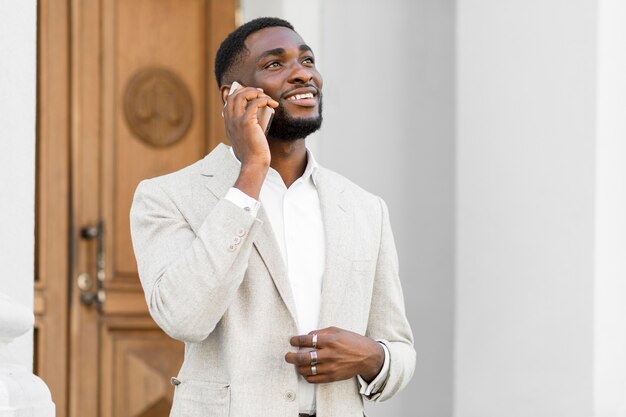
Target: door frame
(52,200)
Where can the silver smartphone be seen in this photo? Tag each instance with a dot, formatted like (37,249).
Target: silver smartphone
(264,115)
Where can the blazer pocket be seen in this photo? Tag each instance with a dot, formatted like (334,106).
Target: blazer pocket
(202,398)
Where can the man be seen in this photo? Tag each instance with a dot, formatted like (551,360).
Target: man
(280,276)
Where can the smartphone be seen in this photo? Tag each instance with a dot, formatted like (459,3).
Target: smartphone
(264,115)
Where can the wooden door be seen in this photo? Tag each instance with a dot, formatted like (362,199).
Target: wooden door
(126,92)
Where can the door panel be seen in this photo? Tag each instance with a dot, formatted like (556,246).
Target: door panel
(140,101)
(139,41)
(138,354)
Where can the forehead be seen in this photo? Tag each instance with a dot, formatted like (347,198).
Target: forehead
(271,38)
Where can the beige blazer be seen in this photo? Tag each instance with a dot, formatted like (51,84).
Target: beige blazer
(214,278)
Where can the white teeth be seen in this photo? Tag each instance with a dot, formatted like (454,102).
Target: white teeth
(300,96)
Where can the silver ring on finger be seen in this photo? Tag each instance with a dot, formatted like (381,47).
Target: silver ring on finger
(313,370)
(314,341)
(313,357)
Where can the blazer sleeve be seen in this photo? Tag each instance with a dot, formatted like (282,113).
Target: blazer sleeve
(387,319)
(189,277)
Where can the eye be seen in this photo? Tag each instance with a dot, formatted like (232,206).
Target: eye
(273,64)
(309,60)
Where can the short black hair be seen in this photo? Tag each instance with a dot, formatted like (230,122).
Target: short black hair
(233,48)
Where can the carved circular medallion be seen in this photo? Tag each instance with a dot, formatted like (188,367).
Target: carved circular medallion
(157,106)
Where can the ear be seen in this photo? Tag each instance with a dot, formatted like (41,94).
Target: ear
(224,90)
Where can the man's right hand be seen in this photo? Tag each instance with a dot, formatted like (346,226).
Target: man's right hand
(247,137)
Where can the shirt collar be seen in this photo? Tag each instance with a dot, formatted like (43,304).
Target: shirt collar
(311,166)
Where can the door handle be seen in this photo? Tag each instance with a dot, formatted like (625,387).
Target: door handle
(89,295)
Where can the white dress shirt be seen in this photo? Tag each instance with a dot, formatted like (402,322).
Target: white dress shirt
(296,219)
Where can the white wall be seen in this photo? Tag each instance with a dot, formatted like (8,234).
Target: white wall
(17,157)
(388,71)
(610,259)
(525,208)
(389,126)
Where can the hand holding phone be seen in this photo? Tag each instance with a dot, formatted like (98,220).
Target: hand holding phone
(264,114)
(248,137)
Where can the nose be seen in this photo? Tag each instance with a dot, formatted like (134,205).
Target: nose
(301,74)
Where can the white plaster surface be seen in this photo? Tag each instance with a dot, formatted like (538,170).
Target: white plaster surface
(610,259)
(389,127)
(525,208)
(17,158)
(22,394)
(15,319)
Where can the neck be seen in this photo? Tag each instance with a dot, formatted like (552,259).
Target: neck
(289,159)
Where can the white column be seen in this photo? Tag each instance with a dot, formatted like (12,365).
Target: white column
(541,192)
(610,207)
(18,29)
(21,392)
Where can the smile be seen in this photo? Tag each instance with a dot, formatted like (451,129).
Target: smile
(303,97)
(300,96)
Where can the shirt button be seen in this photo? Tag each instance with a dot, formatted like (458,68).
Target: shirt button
(231,248)
(241,232)
(237,240)
(290,395)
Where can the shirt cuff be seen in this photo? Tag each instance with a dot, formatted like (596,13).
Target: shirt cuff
(371,390)
(243,200)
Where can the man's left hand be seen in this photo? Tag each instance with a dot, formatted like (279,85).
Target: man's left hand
(341,354)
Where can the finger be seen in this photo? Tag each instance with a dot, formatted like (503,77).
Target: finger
(248,109)
(292,357)
(302,358)
(306,340)
(300,340)
(307,370)
(245,91)
(271,102)
(248,94)
(236,103)
(254,105)
(318,379)
(321,377)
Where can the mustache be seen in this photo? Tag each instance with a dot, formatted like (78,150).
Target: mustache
(318,92)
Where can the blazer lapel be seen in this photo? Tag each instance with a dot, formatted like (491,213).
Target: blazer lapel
(221,170)
(267,247)
(338,228)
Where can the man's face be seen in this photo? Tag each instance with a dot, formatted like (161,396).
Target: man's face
(282,65)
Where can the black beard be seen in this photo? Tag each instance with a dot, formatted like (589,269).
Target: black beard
(287,128)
